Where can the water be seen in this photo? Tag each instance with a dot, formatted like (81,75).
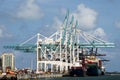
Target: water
(86,78)
(107,77)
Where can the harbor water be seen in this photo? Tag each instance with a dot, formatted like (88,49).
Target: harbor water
(106,77)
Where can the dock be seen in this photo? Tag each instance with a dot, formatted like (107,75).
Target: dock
(36,76)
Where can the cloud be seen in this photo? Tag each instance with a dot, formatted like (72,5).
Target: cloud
(86,16)
(29,10)
(99,32)
(3,32)
(117,24)
(57,23)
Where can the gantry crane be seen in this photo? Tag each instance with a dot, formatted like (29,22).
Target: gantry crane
(59,51)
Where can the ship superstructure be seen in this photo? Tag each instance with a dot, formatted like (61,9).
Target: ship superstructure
(59,52)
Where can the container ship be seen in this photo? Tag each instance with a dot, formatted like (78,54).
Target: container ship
(90,66)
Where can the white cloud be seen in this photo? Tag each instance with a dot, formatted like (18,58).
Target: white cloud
(3,32)
(86,20)
(57,23)
(29,10)
(86,17)
(99,32)
(117,24)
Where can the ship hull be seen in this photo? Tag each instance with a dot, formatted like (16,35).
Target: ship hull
(94,71)
(77,72)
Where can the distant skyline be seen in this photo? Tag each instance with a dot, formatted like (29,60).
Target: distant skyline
(22,19)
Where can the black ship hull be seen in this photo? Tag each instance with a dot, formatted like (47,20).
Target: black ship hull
(77,72)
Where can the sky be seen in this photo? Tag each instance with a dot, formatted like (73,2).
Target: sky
(22,19)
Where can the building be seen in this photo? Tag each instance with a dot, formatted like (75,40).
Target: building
(8,61)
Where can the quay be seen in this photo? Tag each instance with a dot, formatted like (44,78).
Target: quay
(28,76)
(36,76)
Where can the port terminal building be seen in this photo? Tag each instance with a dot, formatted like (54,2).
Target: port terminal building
(7,60)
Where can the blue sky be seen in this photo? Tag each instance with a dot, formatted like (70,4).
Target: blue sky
(22,19)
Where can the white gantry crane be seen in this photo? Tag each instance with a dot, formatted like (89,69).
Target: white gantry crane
(58,52)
